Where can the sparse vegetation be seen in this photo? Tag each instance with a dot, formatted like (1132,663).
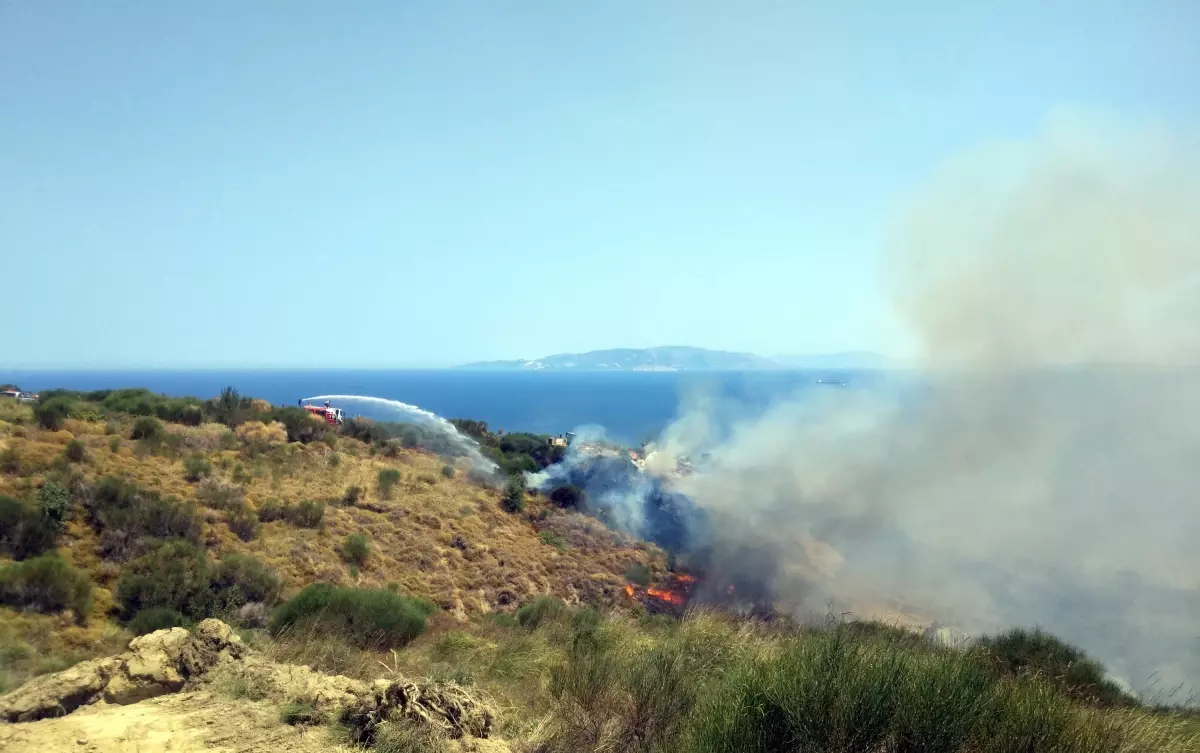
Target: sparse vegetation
(299,712)
(243,521)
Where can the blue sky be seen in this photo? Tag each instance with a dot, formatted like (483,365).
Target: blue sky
(416,184)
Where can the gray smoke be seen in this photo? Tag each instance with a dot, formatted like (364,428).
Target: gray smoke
(1047,472)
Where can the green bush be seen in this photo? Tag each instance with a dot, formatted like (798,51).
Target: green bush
(513,499)
(300,713)
(155,618)
(25,530)
(175,575)
(220,496)
(125,515)
(178,576)
(147,427)
(639,574)
(541,609)
(388,478)
(1021,652)
(352,496)
(447,471)
(308,514)
(51,412)
(239,579)
(54,502)
(46,583)
(243,521)
(196,467)
(369,618)
(271,509)
(75,451)
(356,548)
(553,539)
(114,445)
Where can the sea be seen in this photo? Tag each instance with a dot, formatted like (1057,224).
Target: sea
(630,406)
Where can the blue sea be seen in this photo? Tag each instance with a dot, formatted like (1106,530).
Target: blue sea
(631,406)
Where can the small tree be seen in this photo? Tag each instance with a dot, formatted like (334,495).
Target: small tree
(356,549)
(388,478)
(513,498)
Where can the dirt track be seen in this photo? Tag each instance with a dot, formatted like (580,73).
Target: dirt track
(181,722)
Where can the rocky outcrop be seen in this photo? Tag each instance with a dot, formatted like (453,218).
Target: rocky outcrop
(155,664)
(168,660)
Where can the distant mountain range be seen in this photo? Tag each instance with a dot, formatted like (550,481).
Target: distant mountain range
(681,358)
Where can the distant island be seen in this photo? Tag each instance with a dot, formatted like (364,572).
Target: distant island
(680,358)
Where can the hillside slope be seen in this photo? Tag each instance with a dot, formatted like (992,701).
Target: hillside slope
(436,535)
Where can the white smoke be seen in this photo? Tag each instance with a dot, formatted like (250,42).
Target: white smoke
(1048,472)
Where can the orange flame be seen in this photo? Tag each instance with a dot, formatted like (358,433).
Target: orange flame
(684,578)
(629,590)
(671,597)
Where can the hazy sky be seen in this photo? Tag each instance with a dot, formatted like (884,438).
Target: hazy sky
(423,183)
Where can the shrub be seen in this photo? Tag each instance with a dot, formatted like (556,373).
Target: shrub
(114,445)
(24,530)
(239,579)
(541,609)
(75,451)
(254,614)
(356,548)
(48,584)
(196,467)
(388,478)
(352,496)
(1021,652)
(308,514)
(178,576)
(243,521)
(10,461)
(51,412)
(447,471)
(54,502)
(174,576)
(271,509)
(553,539)
(567,496)
(513,499)
(299,424)
(260,437)
(155,618)
(220,496)
(146,427)
(298,712)
(369,618)
(125,515)
(639,574)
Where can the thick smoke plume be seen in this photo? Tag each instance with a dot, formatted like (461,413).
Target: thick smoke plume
(1046,468)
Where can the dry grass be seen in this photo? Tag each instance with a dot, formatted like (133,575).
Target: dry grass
(36,644)
(442,538)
